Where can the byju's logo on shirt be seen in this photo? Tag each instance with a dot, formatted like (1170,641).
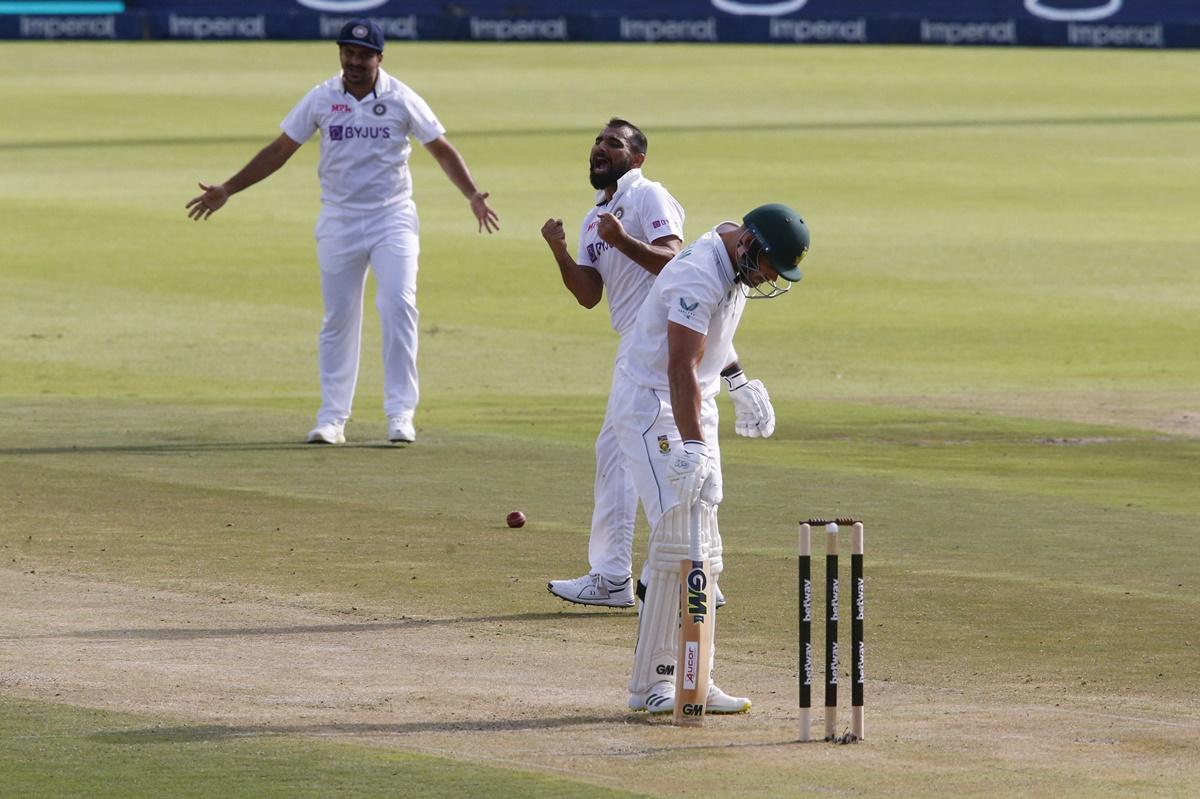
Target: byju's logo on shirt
(596,249)
(347,132)
(657,223)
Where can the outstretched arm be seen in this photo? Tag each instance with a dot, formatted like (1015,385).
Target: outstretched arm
(268,161)
(455,168)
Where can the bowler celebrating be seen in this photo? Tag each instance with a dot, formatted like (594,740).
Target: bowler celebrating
(368,219)
(629,235)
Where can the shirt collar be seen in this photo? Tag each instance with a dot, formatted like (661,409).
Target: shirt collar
(380,77)
(722,254)
(624,183)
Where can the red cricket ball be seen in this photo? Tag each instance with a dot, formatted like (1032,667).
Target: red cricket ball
(515,519)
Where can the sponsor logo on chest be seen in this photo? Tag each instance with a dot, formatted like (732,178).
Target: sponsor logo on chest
(348,132)
(596,249)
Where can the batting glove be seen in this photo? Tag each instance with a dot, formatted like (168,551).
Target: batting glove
(688,470)
(755,414)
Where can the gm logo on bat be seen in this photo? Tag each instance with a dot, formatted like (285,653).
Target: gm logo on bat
(697,604)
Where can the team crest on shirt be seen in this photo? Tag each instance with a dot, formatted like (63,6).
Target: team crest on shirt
(380,109)
(620,212)
(664,446)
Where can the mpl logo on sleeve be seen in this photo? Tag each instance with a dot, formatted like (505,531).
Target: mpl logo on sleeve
(1072,10)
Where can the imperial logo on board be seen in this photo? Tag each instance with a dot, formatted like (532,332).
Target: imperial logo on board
(180,27)
(1116,35)
(819,30)
(669,30)
(393,27)
(69,27)
(507,30)
(938,32)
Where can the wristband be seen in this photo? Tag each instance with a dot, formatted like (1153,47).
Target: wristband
(735,380)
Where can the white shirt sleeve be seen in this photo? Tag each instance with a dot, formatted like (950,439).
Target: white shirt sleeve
(689,301)
(423,124)
(661,215)
(301,122)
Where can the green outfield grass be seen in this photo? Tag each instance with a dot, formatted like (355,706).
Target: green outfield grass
(992,359)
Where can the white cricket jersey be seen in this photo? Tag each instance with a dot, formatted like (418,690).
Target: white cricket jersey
(364,143)
(647,212)
(696,290)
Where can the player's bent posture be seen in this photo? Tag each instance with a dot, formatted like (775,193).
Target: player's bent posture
(633,230)
(665,415)
(368,219)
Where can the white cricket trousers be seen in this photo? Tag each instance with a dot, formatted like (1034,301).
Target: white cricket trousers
(646,432)
(348,242)
(610,546)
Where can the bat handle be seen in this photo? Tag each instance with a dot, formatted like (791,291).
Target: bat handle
(694,549)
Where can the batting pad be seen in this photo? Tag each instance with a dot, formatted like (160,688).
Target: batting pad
(658,615)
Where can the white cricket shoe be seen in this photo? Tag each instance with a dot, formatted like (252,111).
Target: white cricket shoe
(718,597)
(661,699)
(328,433)
(656,701)
(722,704)
(594,589)
(400,428)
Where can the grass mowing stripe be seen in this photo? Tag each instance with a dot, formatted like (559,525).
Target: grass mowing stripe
(51,751)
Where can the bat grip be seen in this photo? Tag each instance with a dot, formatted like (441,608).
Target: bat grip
(694,551)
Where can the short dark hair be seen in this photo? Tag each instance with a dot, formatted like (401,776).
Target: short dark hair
(638,139)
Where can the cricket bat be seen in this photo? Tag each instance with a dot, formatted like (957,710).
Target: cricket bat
(695,629)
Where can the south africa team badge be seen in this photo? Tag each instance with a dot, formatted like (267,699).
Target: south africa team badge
(664,446)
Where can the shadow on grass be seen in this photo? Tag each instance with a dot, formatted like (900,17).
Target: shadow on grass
(217,732)
(186,633)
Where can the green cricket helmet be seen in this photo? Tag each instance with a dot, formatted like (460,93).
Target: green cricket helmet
(780,234)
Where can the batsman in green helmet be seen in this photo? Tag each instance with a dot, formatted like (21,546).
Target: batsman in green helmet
(665,415)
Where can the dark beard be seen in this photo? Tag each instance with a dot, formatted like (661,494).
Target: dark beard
(616,172)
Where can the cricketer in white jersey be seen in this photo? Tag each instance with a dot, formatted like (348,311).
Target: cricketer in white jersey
(666,416)
(635,227)
(368,220)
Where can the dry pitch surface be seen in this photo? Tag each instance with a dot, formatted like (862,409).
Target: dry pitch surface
(526,691)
